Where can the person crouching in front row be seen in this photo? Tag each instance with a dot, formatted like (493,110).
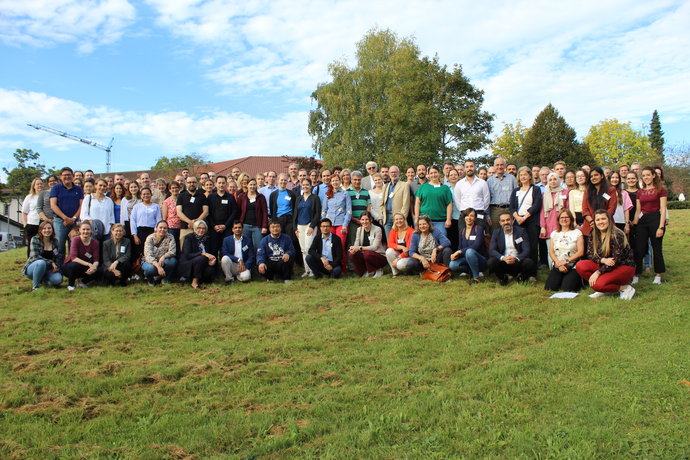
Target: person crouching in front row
(509,252)
(325,255)
(276,254)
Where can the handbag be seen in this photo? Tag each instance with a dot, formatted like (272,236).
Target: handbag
(436,272)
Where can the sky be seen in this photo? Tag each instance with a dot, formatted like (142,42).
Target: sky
(230,78)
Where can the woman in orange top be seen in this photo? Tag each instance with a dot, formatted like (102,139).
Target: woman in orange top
(599,195)
(398,241)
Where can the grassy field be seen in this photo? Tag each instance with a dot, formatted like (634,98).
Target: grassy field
(374,368)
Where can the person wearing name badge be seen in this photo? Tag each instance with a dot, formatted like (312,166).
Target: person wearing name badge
(576,195)
(566,249)
(396,199)
(222,212)
(609,266)
(435,200)
(501,186)
(427,245)
(41,266)
(65,201)
(143,221)
(367,254)
(525,207)
(361,203)
(276,254)
(337,206)
(253,213)
(555,199)
(30,216)
(306,221)
(650,220)
(191,205)
(159,261)
(282,205)
(43,203)
(196,262)
(451,181)
(621,216)
(237,255)
(169,212)
(83,260)
(321,189)
(325,253)
(399,240)
(269,186)
(599,195)
(509,252)
(471,256)
(117,257)
(376,197)
(473,192)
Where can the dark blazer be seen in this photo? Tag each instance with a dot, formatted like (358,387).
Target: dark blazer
(316,248)
(260,208)
(215,201)
(229,247)
(111,252)
(520,240)
(534,210)
(315,211)
(477,244)
(190,250)
(273,202)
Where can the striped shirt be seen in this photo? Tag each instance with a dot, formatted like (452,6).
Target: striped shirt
(360,201)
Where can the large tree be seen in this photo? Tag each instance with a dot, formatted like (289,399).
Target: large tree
(396,107)
(180,162)
(509,144)
(613,143)
(551,139)
(656,136)
(28,168)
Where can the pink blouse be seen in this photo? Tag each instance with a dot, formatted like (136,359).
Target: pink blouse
(172,218)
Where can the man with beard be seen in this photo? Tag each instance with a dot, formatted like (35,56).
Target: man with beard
(396,199)
(472,192)
(192,205)
(414,185)
(509,250)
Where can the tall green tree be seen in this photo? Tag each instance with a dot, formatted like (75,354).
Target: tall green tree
(180,162)
(551,139)
(28,168)
(509,144)
(613,142)
(656,136)
(396,107)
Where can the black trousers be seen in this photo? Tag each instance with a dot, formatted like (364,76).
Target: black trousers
(316,265)
(125,272)
(73,270)
(29,232)
(201,270)
(569,281)
(279,269)
(142,233)
(454,234)
(216,240)
(646,230)
(531,227)
(524,268)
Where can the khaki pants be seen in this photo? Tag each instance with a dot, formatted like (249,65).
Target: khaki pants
(184,232)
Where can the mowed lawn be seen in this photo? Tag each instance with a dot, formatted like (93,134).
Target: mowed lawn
(355,368)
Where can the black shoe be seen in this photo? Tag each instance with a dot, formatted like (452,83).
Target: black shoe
(503,282)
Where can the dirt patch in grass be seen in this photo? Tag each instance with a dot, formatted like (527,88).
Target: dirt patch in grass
(275,318)
(45,405)
(276,431)
(12,450)
(173,452)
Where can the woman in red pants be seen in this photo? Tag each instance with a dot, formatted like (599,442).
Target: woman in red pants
(367,254)
(611,266)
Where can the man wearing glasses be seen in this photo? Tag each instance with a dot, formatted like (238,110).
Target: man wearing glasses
(192,205)
(65,201)
(368,182)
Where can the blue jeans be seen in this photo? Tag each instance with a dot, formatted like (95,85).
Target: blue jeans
(169,266)
(39,271)
(253,232)
(470,261)
(441,225)
(388,226)
(61,233)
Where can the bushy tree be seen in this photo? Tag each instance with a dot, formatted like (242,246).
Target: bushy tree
(28,168)
(613,142)
(180,162)
(551,139)
(396,107)
(656,136)
(509,144)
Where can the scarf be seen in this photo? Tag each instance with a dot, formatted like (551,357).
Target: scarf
(551,201)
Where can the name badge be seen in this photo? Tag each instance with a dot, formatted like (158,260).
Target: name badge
(518,241)
(401,241)
(340,209)
(288,197)
(473,237)
(506,189)
(565,196)
(245,247)
(87,254)
(357,197)
(329,244)
(252,200)
(223,201)
(390,195)
(123,249)
(480,216)
(437,186)
(606,196)
(192,199)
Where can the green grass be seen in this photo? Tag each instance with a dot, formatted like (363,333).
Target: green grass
(374,368)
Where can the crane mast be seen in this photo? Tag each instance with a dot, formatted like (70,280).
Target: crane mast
(107,148)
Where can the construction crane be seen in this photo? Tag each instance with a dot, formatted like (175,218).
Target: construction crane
(107,148)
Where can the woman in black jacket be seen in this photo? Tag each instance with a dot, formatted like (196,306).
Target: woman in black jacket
(305,221)
(117,257)
(196,263)
(525,205)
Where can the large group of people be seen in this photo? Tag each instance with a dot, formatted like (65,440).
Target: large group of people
(591,226)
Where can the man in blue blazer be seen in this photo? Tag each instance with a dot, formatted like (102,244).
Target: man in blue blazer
(237,255)
(509,252)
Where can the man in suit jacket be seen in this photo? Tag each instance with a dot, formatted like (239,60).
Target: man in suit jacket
(237,255)
(509,251)
(368,182)
(326,252)
(117,257)
(396,198)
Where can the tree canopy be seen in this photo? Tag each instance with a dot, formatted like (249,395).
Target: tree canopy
(550,139)
(180,162)
(510,142)
(613,142)
(28,168)
(396,107)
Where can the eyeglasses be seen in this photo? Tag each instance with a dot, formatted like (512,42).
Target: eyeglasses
(371,167)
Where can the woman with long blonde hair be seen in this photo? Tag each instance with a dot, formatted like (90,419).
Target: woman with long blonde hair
(30,216)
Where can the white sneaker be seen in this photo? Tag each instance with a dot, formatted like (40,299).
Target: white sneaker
(366,275)
(378,273)
(627,293)
(136,277)
(596,295)
(463,274)
(288,281)
(305,274)
(82,285)
(635,280)
(657,280)
(71,288)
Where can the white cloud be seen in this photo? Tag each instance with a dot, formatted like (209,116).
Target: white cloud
(44,22)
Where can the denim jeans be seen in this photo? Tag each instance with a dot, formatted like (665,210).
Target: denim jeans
(470,261)
(61,233)
(169,266)
(253,232)
(39,271)
(441,225)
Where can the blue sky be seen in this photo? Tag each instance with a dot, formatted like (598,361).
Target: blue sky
(233,78)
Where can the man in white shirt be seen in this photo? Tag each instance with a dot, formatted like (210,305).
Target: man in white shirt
(472,192)
(509,252)
(238,255)
(270,186)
